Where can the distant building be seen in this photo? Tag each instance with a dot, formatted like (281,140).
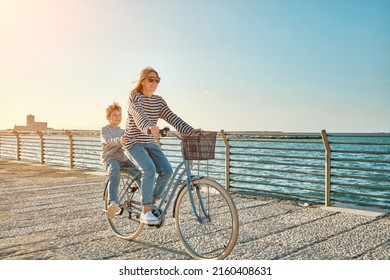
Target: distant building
(32,125)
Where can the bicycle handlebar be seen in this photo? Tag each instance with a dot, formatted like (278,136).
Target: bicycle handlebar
(162,132)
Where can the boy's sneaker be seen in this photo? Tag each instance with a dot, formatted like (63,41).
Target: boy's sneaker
(112,209)
(148,218)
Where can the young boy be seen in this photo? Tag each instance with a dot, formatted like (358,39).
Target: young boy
(112,155)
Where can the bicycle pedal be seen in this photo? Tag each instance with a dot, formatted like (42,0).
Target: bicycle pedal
(158,225)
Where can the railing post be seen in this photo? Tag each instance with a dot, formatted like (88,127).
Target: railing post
(42,146)
(71,146)
(18,147)
(227,160)
(327,167)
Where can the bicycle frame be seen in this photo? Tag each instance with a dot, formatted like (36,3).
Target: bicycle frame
(172,187)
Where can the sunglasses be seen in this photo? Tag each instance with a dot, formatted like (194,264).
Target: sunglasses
(153,79)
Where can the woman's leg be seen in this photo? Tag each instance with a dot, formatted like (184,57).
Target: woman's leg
(163,169)
(139,154)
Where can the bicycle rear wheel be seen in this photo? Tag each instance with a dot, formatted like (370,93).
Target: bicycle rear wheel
(126,223)
(214,233)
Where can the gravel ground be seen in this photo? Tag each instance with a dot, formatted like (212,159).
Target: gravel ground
(49,213)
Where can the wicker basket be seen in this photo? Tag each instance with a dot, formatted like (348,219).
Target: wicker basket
(200,146)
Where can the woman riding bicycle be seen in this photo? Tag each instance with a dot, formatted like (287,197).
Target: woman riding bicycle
(144,110)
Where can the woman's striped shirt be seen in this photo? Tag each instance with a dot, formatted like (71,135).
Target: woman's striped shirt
(144,112)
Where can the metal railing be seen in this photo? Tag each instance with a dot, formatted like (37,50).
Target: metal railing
(76,149)
(358,169)
(331,169)
(276,164)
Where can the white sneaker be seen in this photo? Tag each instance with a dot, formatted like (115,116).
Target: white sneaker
(148,218)
(112,209)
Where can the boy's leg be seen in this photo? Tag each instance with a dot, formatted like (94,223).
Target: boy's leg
(163,169)
(113,168)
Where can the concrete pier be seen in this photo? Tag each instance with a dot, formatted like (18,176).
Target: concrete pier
(50,213)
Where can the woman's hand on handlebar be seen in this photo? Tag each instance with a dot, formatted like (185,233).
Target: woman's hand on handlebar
(195,131)
(154,130)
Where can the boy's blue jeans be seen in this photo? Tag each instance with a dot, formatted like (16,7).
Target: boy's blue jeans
(113,167)
(151,160)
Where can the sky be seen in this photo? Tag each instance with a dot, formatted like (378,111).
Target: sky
(237,65)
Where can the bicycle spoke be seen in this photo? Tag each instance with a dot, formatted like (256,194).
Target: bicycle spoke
(215,234)
(126,223)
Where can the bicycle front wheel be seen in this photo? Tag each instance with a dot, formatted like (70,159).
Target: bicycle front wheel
(126,223)
(213,232)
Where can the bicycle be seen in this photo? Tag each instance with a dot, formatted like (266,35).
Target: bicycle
(206,218)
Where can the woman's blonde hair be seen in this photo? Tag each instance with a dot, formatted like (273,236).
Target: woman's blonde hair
(142,75)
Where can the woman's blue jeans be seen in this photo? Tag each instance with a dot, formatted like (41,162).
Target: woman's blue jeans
(113,167)
(151,160)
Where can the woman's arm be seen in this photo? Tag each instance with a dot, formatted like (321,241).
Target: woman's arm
(138,114)
(180,125)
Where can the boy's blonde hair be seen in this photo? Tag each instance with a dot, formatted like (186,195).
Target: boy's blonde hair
(114,106)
